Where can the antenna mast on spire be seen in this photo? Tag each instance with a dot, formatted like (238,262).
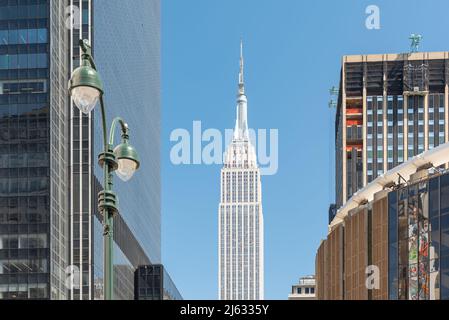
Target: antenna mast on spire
(241,73)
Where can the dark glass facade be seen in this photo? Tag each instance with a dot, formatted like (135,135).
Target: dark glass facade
(132,90)
(152,282)
(419,241)
(48,171)
(33,150)
(127,54)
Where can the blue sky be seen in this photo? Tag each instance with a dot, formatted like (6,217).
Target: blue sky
(293,52)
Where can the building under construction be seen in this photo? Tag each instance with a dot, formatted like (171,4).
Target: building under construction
(391,107)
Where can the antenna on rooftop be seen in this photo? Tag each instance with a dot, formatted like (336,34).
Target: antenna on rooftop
(415,42)
(334,94)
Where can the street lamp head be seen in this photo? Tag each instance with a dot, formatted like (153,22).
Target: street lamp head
(86,87)
(128,160)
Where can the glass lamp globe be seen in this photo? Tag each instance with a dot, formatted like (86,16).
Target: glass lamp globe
(85,87)
(128,161)
(85,98)
(126,169)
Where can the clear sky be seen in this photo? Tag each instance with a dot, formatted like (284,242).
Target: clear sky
(293,53)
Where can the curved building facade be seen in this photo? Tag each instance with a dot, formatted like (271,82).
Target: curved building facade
(395,246)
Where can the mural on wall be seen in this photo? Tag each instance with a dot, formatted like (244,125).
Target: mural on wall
(419,271)
(416,227)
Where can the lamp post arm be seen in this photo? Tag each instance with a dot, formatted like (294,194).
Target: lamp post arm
(124,128)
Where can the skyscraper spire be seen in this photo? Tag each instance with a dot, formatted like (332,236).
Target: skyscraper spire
(241,74)
(241,123)
(240,214)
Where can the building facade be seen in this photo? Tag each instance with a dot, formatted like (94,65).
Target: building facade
(304,290)
(240,218)
(392,243)
(391,107)
(51,243)
(152,282)
(82,200)
(132,90)
(34,247)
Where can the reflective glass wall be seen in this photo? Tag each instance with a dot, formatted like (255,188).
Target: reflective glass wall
(127,54)
(419,241)
(33,154)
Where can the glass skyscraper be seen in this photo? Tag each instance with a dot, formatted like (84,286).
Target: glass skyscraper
(127,53)
(34,248)
(49,177)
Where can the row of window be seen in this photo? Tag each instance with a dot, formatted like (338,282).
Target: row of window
(23,241)
(24,61)
(23,36)
(23,87)
(14,11)
(307,290)
(395,122)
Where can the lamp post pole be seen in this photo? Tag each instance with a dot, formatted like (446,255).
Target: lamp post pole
(86,89)
(107,199)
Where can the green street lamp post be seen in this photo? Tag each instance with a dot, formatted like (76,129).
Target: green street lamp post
(86,89)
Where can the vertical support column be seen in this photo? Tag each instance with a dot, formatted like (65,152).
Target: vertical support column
(405,127)
(405,95)
(446,98)
(91,215)
(426,115)
(426,122)
(71,155)
(81,173)
(364,126)
(343,134)
(385,118)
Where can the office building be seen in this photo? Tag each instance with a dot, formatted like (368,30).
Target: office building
(240,218)
(50,227)
(34,73)
(391,241)
(126,44)
(304,290)
(152,282)
(391,107)
(82,200)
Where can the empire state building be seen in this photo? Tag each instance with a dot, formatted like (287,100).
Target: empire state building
(240,218)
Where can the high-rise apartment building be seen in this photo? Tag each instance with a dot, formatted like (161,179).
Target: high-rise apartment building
(240,218)
(49,177)
(391,107)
